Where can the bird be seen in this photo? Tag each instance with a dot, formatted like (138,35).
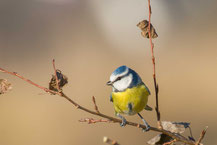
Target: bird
(129,94)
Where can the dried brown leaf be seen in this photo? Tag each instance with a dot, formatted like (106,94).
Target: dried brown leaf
(5,86)
(175,127)
(143,25)
(62,79)
(160,139)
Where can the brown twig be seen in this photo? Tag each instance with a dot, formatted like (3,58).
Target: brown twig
(92,121)
(168,143)
(191,134)
(201,136)
(57,80)
(154,70)
(110,141)
(178,137)
(95,106)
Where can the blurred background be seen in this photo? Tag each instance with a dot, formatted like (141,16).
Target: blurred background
(89,39)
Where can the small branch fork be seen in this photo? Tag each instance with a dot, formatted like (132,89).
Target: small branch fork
(154,70)
(177,137)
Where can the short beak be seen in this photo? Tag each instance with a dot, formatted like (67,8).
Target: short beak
(109,83)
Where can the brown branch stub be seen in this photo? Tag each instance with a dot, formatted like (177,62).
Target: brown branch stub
(159,124)
(95,106)
(77,106)
(110,141)
(57,80)
(202,136)
(138,126)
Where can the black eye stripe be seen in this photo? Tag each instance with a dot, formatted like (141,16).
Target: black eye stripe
(118,78)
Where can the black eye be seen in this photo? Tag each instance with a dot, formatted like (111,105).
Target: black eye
(119,78)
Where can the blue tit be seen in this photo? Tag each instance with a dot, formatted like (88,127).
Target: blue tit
(129,94)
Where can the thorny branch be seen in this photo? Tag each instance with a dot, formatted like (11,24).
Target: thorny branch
(178,137)
(154,70)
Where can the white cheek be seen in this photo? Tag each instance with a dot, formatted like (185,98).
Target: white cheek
(124,83)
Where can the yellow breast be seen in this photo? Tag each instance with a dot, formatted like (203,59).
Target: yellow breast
(131,101)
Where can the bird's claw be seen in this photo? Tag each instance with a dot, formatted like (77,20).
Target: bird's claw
(147,128)
(145,123)
(124,122)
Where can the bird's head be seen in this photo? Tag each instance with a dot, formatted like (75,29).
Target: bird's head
(123,78)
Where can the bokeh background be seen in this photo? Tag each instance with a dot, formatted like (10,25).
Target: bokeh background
(88,40)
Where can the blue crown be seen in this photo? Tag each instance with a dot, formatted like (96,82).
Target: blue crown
(122,69)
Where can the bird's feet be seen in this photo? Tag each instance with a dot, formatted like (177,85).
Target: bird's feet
(145,123)
(147,127)
(124,121)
